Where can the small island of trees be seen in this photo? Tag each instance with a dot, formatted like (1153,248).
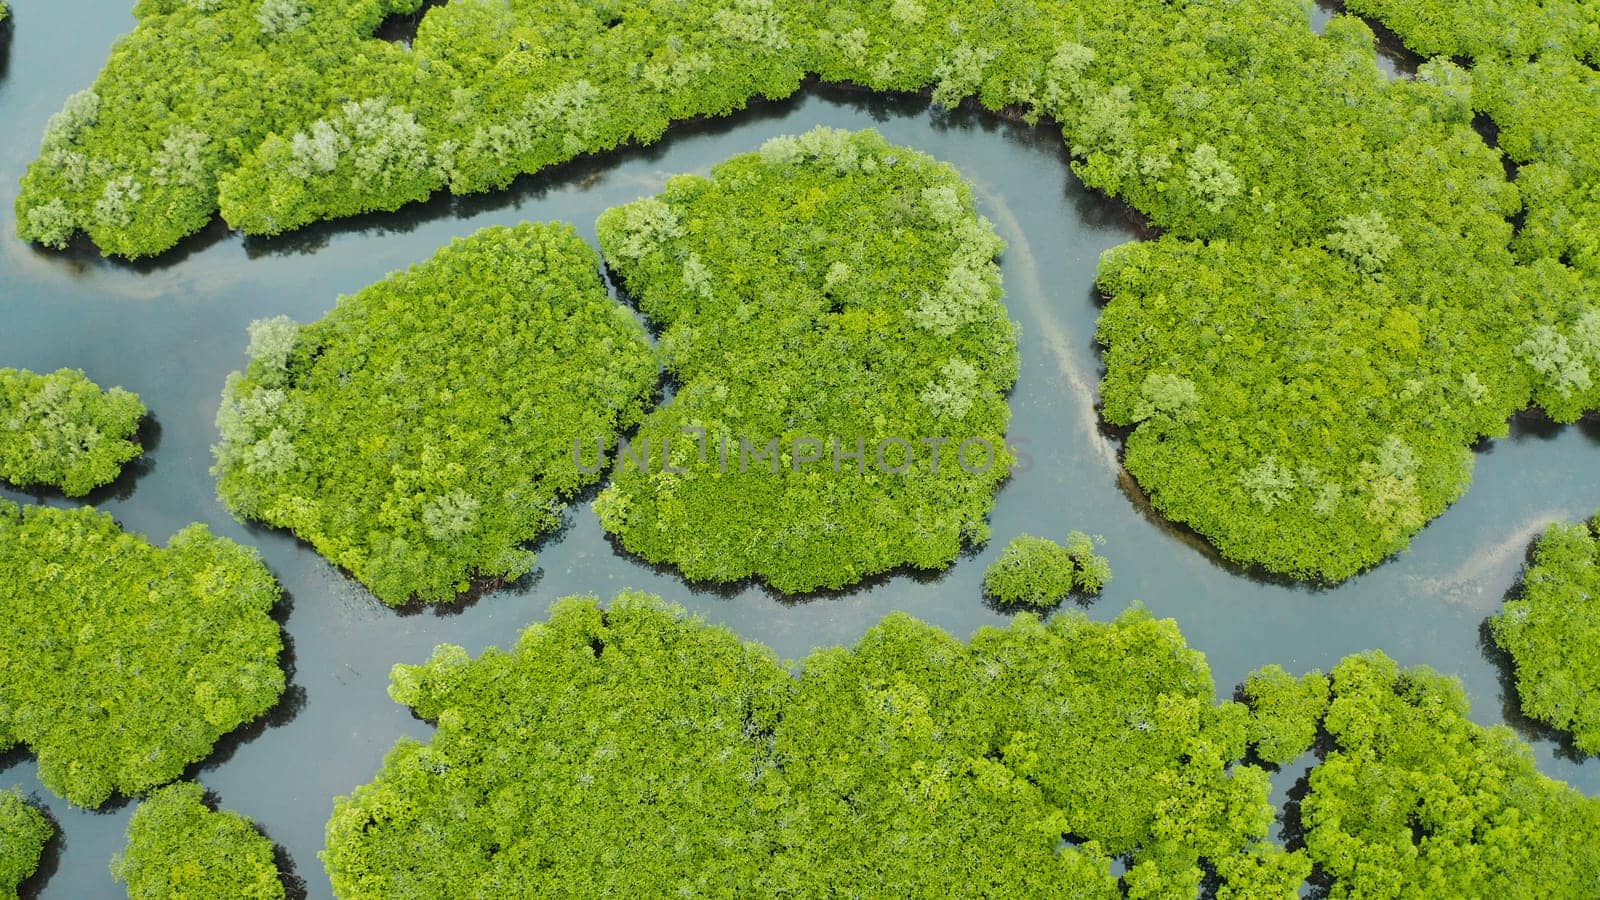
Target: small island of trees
(179,847)
(423,432)
(840,407)
(61,430)
(1038,572)
(121,663)
(1551,630)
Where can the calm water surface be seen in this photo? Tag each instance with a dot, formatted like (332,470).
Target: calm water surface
(173,329)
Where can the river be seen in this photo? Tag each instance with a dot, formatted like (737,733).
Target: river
(173,328)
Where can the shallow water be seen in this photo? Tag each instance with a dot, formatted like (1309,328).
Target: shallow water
(173,329)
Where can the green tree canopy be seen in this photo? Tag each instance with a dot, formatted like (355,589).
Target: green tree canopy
(830,295)
(1315,457)
(632,749)
(1290,176)
(1036,571)
(180,847)
(1285,712)
(24,831)
(1531,69)
(625,751)
(1490,28)
(424,431)
(62,430)
(487,91)
(1551,630)
(1417,800)
(122,663)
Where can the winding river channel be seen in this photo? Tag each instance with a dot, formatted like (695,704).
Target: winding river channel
(171,330)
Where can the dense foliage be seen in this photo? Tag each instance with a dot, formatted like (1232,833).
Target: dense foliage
(1031,570)
(24,831)
(1285,712)
(62,430)
(633,751)
(335,121)
(938,769)
(135,160)
(1416,800)
(830,311)
(424,430)
(1517,29)
(120,662)
(1531,70)
(180,847)
(627,737)
(287,111)
(1333,317)
(1552,632)
(1315,457)
(1036,571)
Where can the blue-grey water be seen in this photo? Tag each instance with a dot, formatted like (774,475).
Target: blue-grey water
(171,330)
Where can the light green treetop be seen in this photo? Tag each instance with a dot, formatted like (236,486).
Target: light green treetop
(179,847)
(630,749)
(122,663)
(62,430)
(24,832)
(423,432)
(840,408)
(1551,629)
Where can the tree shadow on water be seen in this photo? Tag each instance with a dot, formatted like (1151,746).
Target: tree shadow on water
(83,255)
(1292,832)
(148,438)
(49,859)
(294,885)
(401,28)
(880,106)
(1533,424)
(5,46)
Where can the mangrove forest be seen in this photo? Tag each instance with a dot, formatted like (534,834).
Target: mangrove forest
(681,448)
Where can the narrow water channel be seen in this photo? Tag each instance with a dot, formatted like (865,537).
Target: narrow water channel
(171,330)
